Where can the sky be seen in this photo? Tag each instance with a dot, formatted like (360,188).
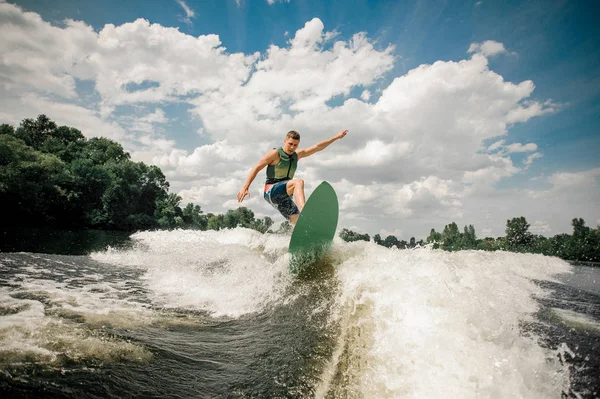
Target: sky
(472,112)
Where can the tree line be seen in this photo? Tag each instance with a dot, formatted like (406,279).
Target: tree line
(53,176)
(582,245)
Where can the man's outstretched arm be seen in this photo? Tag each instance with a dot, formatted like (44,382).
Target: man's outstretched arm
(305,152)
(264,161)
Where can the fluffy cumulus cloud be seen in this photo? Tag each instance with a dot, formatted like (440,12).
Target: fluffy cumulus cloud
(418,155)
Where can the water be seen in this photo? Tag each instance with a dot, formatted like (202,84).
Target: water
(218,315)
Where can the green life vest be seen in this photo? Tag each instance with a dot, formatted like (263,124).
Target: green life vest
(284,170)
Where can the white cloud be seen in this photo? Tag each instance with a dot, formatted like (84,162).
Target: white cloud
(148,123)
(529,110)
(189,13)
(215,159)
(485,177)
(488,48)
(572,180)
(529,161)
(365,95)
(38,57)
(518,147)
(497,145)
(540,227)
(485,233)
(88,121)
(158,116)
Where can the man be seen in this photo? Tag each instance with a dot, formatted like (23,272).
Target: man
(281,164)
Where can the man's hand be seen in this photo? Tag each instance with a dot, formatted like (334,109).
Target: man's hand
(242,194)
(341,134)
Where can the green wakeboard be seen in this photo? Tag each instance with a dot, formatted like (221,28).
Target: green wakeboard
(315,229)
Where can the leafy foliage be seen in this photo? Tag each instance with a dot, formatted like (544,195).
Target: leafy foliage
(348,235)
(583,245)
(51,175)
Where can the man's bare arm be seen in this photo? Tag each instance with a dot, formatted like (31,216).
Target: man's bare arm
(305,152)
(268,158)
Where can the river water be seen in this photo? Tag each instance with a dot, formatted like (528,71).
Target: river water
(216,314)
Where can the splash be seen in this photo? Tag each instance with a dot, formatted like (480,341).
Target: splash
(226,273)
(427,323)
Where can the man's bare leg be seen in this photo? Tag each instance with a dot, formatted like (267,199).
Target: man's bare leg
(294,218)
(296,188)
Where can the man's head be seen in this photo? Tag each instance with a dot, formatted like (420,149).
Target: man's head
(291,141)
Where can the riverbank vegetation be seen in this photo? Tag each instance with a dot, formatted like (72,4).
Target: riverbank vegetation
(582,245)
(52,176)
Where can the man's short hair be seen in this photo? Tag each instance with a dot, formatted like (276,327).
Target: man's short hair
(292,134)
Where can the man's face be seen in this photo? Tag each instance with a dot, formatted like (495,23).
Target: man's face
(290,145)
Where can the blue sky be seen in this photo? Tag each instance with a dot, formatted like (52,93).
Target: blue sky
(550,44)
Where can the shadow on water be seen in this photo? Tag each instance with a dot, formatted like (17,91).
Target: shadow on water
(61,242)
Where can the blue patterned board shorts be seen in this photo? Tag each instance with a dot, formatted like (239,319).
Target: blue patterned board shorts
(276,195)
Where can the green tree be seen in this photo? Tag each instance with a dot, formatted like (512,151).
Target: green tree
(28,183)
(434,237)
(391,241)
(518,237)
(193,217)
(377,239)
(349,236)
(168,213)
(585,242)
(215,222)
(451,237)
(103,151)
(262,225)
(285,228)
(35,132)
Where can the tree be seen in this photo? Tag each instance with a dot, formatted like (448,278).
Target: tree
(102,151)
(168,213)
(349,236)
(518,237)
(262,225)
(215,222)
(451,237)
(392,241)
(193,217)
(468,238)
(434,237)
(580,230)
(285,228)
(35,132)
(28,183)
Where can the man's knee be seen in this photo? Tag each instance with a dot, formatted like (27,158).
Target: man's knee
(292,184)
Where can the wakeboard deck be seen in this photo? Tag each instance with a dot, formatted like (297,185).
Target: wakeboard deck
(315,229)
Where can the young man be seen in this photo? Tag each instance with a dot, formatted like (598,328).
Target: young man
(281,164)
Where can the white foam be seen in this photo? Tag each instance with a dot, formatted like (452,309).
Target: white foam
(226,273)
(428,323)
(44,328)
(577,320)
